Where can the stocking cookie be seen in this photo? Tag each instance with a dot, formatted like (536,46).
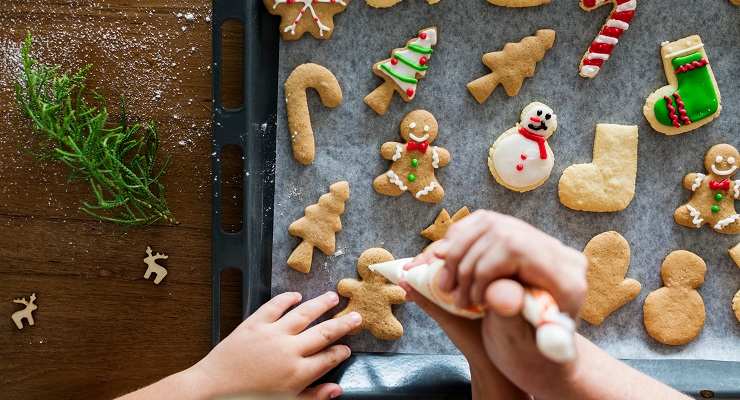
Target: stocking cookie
(512,65)
(713,195)
(602,46)
(674,314)
(608,257)
(608,182)
(402,71)
(300,16)
(415,161)
(442,223)
(691,99)
(372,297)
(521,159)
(299,121)
(318,227)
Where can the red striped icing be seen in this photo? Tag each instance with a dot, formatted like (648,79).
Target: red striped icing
(599,52)
(671,111)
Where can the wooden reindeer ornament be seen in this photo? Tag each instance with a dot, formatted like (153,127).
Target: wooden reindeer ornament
(26,313)
(153,267)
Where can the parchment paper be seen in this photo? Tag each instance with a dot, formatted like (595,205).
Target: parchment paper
(348,141)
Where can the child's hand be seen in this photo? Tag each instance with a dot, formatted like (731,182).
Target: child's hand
(275,353)
(487,246)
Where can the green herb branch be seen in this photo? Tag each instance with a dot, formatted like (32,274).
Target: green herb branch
(117,160)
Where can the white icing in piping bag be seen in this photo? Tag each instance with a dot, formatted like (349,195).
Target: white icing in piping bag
(555,330)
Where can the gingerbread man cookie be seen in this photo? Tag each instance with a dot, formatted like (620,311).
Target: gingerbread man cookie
(415,161)
(294,23)
(674,314)
(373,296)
(713,195)
(521,159)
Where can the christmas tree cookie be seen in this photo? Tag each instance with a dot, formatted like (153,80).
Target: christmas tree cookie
(402,71)
(512,65)
(415,161)
(691,99)
(318,227)
(300,16)
(713,194)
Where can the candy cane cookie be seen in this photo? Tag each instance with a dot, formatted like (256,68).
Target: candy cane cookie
(602,46)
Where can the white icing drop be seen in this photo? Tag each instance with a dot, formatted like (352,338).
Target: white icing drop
(697,181)
(721,224)
(427,128)
(601,56)
(435,160)
(394,179)
(628,6)
(589,71)
(412,125)
(397,154)
(606,39)
(736,188)
(615,23)
(696,215)
(427,189)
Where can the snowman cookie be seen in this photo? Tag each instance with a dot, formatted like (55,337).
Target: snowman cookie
(521,159)
(713,195)
(415,161)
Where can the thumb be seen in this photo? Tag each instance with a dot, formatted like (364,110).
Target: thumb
(325,391)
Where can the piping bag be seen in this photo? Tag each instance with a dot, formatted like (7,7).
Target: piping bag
(555,330)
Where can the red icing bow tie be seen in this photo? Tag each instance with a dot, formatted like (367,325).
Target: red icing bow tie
(724,184)
(420,147)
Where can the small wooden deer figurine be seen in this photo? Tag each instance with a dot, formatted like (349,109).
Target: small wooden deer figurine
(151,262)
(26,313)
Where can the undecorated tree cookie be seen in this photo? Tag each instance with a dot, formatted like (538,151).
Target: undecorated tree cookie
(674,314)
(608,257)
(373,296)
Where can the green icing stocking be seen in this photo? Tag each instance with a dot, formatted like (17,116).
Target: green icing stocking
(695,90)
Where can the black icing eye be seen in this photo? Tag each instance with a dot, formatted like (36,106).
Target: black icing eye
(539,112)
(548,116)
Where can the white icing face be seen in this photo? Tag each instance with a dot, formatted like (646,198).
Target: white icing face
(417,138)
(539,119)
(728,168)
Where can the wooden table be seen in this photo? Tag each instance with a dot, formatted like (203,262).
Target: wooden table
(101,329)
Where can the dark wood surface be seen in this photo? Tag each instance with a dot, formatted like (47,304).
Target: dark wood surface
(101,329)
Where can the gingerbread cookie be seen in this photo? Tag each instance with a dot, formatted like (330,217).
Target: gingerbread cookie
(602,46)
(608,257)
(607,183)
(521,159)
(691,99)
(415,161)
(735,254)
(674,314)
(736,305)
(391,3)
(512,65)
(299,121)
(294,19)
(402,71)
(713,195)
(373,296)
(318,227)
(442,223)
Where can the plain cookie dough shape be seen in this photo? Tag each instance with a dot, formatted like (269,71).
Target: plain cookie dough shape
(372,297)
(303,77)
(606,184)
(521,159)
(318,227)
(674,314)
(691,99)
(442,223)
(735,254)
(608,257)
(26,313)
(153,267)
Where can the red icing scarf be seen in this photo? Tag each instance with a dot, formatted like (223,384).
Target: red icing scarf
(535,138)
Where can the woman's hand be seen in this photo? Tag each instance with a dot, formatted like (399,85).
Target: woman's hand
(275,353)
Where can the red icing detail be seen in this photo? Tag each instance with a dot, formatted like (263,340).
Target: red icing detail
(291,1)
(671,111)
(520,167)
(692,65)
(622,1)
(422,60)
(535,138)
(624,16)
(423,35)
(611,31)
(394,61)
(415,146)
(603,48)
(681,109)
(523,156)
(593,61)
(535,119)
(589,3)
(410,92)
(724,184)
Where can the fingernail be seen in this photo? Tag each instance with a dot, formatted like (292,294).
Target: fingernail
(355,318)
(335,393)
(332,297)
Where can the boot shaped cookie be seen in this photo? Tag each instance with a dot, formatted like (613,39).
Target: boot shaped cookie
(415,161)
(691,98)
(373,296)
(674,314)
(608,257)
(713,195)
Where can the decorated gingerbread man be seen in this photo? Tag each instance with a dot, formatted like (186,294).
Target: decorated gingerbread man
(373,296)
(714,194)
(415,161)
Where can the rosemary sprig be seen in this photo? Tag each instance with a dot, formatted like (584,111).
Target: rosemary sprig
(117,160)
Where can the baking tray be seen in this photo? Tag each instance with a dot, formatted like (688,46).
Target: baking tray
(253,129)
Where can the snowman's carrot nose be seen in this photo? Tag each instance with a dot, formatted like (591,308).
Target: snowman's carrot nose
(535,119)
